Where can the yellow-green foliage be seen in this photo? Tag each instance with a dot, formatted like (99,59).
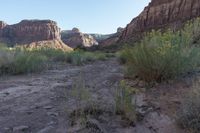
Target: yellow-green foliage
(188,116)
(25,62)
(160,56)
(18,61)
(21,60)
(123,102)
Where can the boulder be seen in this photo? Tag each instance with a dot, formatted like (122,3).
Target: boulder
(112,40)
(75,38)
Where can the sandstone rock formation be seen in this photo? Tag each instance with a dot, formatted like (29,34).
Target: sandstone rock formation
(54,44)
(2,25)
(75,38)
(159,14)
(30,31)
(101,37)
(112,39)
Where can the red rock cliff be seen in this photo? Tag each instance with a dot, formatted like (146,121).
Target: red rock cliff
(75,38)
(2,25)
(32,32)
(28,31)
(159,14)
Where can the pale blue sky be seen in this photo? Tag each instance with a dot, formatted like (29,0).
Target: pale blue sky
(90,16)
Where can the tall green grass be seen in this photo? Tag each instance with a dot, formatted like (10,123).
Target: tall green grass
(21,60)
(26,62)
(161,56)
(188,115)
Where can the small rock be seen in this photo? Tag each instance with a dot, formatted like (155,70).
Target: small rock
(94,124)
(20,128)
(6,93)
(156,106)
(52,98)
(7,129)
(48,107)
(46,129)
(176,101)
(37,107)
(30,84)
(29,112)
(51,123)
(140,100)
(141,84)
(52,114)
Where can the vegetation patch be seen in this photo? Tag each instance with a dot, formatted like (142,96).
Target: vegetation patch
(124,104)
(188,116)
(90,114)
(21,60)
(162,56)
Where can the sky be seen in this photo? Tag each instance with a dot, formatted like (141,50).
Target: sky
(90,16)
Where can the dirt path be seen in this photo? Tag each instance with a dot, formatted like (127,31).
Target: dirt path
(40,103)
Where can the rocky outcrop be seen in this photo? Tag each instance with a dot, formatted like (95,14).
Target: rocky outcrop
(101,37)
(160,14)
(75,38)
(30,31)
(112,39)
(53,44)
(2,25)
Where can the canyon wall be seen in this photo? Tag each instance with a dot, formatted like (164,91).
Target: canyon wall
(75,38)
(160,14)
(30,32)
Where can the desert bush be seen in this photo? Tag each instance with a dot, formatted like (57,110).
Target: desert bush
(22,60)
(161,56)
(81,57)
(26,62)
(6,58)
(124,104)
(192,29)
(55,55)
(77,57)
(188,116)
(18,61)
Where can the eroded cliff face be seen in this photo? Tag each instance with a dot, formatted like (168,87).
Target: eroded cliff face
(28,31)
(112,39)
(160,14)
(2,25)
(33,33)
(75,38)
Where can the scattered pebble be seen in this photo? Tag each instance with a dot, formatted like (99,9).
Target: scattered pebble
(54,114)
(6,93)
(46,129)
(20,128)
(48,107)
(7,129)
(51,123)
(29,112)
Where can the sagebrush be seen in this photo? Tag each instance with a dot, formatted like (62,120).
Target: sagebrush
(162,56)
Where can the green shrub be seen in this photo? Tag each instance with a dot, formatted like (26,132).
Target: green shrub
(81,57)
(75,58)
(19,61)
(26,62)
(188,116)
(160,56)
(22,60)
(6,58)
(55,55)
(123,102)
